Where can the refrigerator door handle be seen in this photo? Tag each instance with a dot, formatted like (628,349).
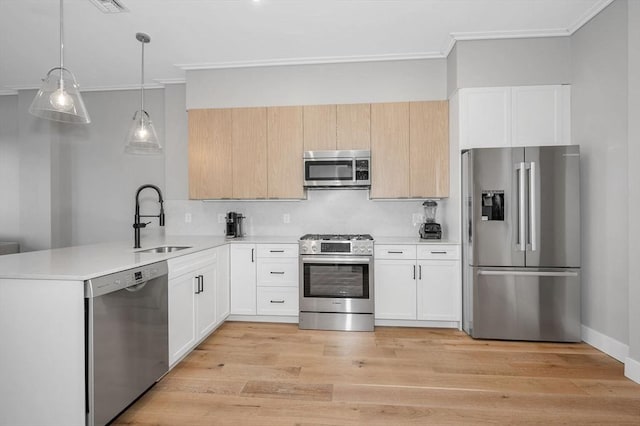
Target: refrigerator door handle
(533,207)
(522,201)
(530,273)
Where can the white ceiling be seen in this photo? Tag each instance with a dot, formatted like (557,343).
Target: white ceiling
(102,51)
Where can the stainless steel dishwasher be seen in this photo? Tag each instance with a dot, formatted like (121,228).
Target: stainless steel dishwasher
(127,347)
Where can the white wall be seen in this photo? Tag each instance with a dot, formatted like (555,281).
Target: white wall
(103,179)
(599,124)
(9,169)
(634,187)
(510,62)
(357,82)
(73,184)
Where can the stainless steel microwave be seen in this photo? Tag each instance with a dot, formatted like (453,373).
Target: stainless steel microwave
(325,169)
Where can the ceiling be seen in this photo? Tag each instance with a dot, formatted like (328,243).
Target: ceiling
(102,51)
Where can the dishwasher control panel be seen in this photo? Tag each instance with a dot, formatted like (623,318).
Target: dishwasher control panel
(119,280)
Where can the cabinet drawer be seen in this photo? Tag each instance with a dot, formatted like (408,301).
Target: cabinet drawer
(277,301)
(277,250)
(438,251)
(395,251)
(278,272)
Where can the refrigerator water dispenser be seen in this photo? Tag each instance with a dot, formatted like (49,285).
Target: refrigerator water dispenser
(492,205)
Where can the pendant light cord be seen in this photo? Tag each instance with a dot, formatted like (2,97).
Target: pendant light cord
(61,44)
(142,85)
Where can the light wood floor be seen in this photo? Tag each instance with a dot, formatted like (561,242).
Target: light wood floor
(275,374)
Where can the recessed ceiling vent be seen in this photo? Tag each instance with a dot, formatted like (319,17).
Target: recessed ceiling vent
(110,6)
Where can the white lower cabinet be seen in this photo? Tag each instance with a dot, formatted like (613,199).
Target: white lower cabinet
(194,291)
(264,279)
(395,289)
(417,282)
(243,279)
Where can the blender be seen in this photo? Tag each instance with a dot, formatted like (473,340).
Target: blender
(430,230)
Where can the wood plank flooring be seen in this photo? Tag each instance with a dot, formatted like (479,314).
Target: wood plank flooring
(275,374)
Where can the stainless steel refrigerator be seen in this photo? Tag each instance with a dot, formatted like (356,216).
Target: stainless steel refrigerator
(521,243)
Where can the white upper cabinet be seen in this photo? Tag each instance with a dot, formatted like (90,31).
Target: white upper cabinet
(514,116)
(540,115)
(485,117)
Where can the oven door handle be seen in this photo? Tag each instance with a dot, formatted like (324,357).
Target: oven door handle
(351,260)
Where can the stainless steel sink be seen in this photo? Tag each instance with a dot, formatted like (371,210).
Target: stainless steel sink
(163,249)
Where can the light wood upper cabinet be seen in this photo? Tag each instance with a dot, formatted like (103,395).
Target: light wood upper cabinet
(353,126)
(410,149)
(429,148)
(390,150)
(319,127)
(284,152)
(210,152)
(249,138)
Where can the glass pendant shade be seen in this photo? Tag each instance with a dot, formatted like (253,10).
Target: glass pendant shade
(59,98)
(142,138)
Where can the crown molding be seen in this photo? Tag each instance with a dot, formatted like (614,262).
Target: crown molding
(8,92)
(311,61)
(167,81)
(595,9)
(15,89)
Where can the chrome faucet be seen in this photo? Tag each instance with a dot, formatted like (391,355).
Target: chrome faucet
(136,223)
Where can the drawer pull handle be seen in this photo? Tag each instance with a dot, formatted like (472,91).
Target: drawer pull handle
(395,252)
(277,273)
(438,252)
(276,301)
(276,251)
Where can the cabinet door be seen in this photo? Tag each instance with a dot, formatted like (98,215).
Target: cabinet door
(210,153)
(243,279)
(439,290)
(353,126)
(395,289)
(429,148)
(284,152)
(206,301)
(390,150)
(319,127)
(249,152)
(223,284)
(540,115)
(182,310)
(485,117)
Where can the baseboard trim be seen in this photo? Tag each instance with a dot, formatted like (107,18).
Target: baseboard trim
(606,344)
(263,318)
(632,369)
(421,323)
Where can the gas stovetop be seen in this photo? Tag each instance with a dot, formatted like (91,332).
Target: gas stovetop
(337,237)
(337,244)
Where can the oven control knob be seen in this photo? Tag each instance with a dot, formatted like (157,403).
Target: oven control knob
(303,249)
(314,249)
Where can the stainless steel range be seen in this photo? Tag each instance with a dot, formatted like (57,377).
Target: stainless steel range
(336,282)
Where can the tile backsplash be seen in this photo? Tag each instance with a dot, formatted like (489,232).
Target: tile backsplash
(324,211)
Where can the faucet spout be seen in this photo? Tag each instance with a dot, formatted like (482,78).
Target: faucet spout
(136,222)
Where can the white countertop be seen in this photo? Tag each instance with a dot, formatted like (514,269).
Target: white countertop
(411,240)
(81,263)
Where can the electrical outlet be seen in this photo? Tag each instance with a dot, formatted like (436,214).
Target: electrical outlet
(187,218)
(286,218)
(221,218)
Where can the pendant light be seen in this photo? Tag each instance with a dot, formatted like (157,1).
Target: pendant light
(59,97)
(142,137)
